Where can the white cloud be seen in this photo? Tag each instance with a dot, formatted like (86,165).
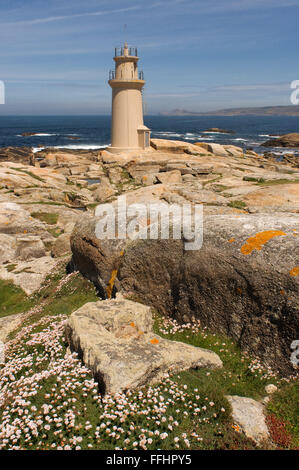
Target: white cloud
(51,19)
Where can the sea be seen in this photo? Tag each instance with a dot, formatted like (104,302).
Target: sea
(93,132)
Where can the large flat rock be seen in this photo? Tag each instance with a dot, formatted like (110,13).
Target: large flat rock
(242,282)
(249,415)
(116,341)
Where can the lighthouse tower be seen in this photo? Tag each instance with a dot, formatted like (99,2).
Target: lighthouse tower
(128,131)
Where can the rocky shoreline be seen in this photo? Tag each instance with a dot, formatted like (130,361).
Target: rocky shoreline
(42,201)
(158,309)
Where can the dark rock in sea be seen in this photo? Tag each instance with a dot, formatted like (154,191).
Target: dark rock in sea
(288,158)
(243,282)
(18,155)
(287,140)
(28,134)
(222,131)
(72,137)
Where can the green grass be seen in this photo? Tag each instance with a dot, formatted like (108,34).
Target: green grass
(253,179)
(218,188)
(70,297)
(237,204)
(74,389)
(10,267)
(263,182)
(284,405)
(234,379)
(13,299)
(204,183)
(47,217)
(278,181)
(54,300)
(29,173)
(56,232)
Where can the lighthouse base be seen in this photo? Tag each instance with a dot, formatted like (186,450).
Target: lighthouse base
(124,149)
(143,140)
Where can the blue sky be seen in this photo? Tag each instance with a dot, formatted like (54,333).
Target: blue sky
(198,55)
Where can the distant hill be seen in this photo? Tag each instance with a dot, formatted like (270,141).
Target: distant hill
(263,111)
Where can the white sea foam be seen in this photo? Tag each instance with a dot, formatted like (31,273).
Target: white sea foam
(283,152)
(81,147)
(239,139)
(268,135)
(215,132)
(71,147)
(169,134)
(41,134)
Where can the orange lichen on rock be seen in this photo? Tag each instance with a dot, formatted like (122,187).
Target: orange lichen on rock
(256,242)
(111,283)
(294,271)
(154,341)
(231,240)
(132,324)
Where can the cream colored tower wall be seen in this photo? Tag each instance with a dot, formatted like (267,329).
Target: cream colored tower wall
(127,129)
(127,116)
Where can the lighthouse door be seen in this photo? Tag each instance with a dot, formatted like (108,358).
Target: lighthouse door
(146,139)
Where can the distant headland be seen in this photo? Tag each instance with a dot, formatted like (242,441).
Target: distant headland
(291,110)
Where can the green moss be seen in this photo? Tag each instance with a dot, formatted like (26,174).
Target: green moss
(11,267)
(29,173)
(13,299)
(252,178)
(278,181)
(47,217)
(204,183)
(220,187)
(55,232)
(237,204)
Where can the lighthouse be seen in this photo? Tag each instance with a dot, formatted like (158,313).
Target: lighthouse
(128,131)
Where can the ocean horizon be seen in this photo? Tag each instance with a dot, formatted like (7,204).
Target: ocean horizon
(90,132)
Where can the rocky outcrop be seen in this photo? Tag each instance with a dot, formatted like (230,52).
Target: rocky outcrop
(17,155)
(104,190)
(220,131)
(175,146)
(287,140)
(61,246)
(8,324)
(28,247)
(24,259)
(271,199)
(248,414)
(242,282)
(170,177)
(115,340)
